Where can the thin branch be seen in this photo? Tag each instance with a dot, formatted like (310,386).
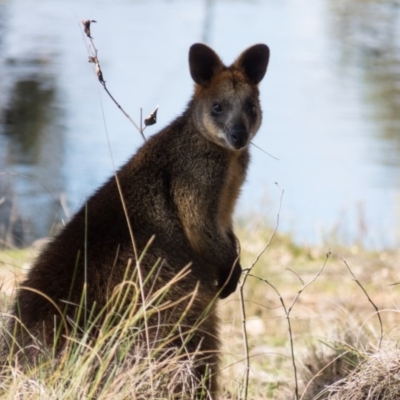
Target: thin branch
(328,254)
(93,58)
(296,275)
(270,239)
(369,299)
(287,312)
(123,111)
(289,325)
(246,273)
(268,154)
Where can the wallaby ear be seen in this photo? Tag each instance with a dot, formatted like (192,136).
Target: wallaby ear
(204,63)
(253,62)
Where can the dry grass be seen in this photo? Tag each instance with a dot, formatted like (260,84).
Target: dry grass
(376,377)
(102,372)
(106,359)
(335,332)
(331,317)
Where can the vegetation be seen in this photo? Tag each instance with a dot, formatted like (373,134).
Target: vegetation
(336,346)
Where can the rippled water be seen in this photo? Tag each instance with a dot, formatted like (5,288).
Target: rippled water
(330,98)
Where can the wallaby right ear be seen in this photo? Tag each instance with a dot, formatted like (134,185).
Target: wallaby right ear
(204,63)
(253,62)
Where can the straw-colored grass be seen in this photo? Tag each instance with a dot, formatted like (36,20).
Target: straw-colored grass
(335,334)
(376,377)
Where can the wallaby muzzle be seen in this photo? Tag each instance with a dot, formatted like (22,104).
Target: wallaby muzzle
(238,136)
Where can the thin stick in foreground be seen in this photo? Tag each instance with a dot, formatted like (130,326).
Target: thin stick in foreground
(370,300)
(246,273)
(288,310)
(93,58)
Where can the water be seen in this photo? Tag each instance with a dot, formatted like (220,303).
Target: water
(330,99)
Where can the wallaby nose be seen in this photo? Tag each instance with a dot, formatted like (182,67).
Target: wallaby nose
(238,137)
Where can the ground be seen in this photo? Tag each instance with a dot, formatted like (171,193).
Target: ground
(335,313)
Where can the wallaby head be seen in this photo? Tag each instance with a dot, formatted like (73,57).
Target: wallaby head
(226,107)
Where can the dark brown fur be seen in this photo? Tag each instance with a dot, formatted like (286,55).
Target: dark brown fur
(181,187)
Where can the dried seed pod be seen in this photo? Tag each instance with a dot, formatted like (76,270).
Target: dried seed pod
(86,27)
(152,118)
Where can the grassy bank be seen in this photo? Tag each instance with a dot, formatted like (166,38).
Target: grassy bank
(331,303)
(335,314)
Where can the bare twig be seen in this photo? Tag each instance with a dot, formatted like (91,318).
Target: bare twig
(86,27)
(289,325)
(268,154)
(328,254)
(370,300)
(93,58)
(296,275)
(270,239)
(288,310)
(246,273)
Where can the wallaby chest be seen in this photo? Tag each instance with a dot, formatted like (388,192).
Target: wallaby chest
(235,174)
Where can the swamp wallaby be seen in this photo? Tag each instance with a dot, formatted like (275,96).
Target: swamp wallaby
(166,213)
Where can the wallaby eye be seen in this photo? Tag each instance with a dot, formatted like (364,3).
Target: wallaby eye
(217,108)
(252,107)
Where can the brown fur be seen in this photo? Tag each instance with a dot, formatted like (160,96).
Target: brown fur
(181,187)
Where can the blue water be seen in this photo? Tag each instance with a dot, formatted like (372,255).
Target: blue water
(338,168)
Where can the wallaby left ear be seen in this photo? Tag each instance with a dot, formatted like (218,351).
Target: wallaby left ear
(253,62)
(204,63)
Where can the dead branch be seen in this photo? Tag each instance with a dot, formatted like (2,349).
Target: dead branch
(246,273)
(370,300)
(94,59)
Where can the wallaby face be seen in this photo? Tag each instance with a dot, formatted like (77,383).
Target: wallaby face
(227,105)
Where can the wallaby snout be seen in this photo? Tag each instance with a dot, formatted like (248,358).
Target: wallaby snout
(238,136)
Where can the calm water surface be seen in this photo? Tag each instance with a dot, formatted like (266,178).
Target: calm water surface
(331,102)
